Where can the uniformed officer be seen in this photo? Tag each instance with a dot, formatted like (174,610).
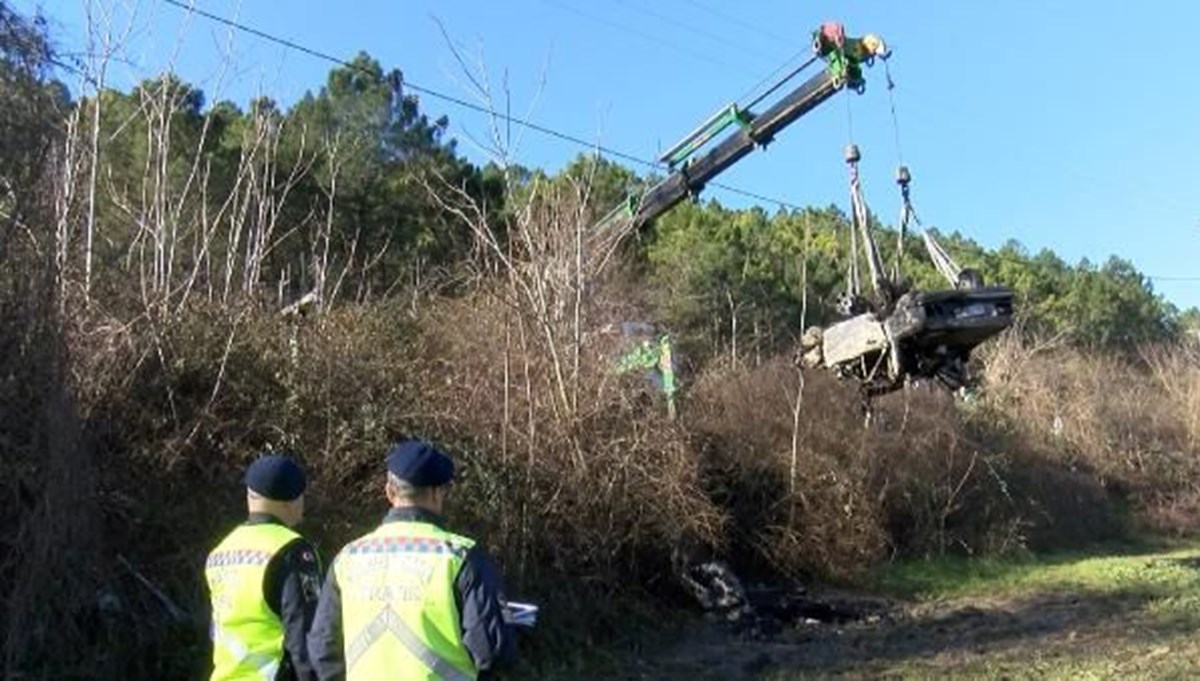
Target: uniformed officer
(264,581)
(412,600)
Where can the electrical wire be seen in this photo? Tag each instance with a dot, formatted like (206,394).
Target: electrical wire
(536,127)
(703,56)
(312,52)
(417,88)
(733,18)
(290,44)
(715,37)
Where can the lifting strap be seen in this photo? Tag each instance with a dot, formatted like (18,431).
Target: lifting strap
(941,259)
(860,228)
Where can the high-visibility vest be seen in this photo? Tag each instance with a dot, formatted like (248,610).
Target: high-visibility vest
(399,616)
(247,635)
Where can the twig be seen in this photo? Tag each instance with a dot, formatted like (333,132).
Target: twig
(178,614)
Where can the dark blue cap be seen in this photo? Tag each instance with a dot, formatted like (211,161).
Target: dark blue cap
(419,464)
(277,477)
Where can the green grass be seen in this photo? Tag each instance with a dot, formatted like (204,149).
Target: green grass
(1158,566)
(1132,613)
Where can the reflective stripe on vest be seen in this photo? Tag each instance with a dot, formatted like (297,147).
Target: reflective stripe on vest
(247,635)
(265,666)
(398,606)
(389,621)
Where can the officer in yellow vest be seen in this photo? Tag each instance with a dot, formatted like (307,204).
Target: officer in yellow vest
(264,581)
(412,601)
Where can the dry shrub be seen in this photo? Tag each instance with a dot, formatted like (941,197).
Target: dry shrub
(946,483)
(195,399)
(596,489)
(1127,424)
(580,485)
(588,496)
(745,418)
(1175,371)
(588,477)
(53,567)
(814,491)
(173,409)
(51,561)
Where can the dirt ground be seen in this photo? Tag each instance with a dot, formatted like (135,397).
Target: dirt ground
(1134,618)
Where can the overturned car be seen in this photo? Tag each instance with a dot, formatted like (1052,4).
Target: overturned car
(926,334)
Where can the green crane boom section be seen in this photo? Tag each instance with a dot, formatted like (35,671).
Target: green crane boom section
(843,58)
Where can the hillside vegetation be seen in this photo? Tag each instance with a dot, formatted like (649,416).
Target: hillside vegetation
(151,241)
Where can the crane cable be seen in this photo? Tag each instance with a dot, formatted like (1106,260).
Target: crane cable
(859,220)
(778,84)
(853,279)
(902,176)
(942,260)
(891,86)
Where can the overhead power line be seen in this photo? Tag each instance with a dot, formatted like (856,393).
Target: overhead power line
(733,18)
(536,127)
(674,22)
(458,101)
(649,37)
(1158,278)
(413,86)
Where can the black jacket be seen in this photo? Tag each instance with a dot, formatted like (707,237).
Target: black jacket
(478,592)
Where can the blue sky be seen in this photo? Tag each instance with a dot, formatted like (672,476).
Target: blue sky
(1064,125)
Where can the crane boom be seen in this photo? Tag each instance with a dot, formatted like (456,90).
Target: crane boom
(843,57)
(903,334)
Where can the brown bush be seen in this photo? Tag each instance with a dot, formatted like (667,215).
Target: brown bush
(587,496)
(145,480)
(1126,423)
(574,476)
(51,561)
(813,490)
(596,485)
(809,512)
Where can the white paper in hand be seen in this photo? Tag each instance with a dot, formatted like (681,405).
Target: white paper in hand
(520,614)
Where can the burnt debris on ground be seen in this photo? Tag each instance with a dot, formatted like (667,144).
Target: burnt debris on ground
(762,611)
